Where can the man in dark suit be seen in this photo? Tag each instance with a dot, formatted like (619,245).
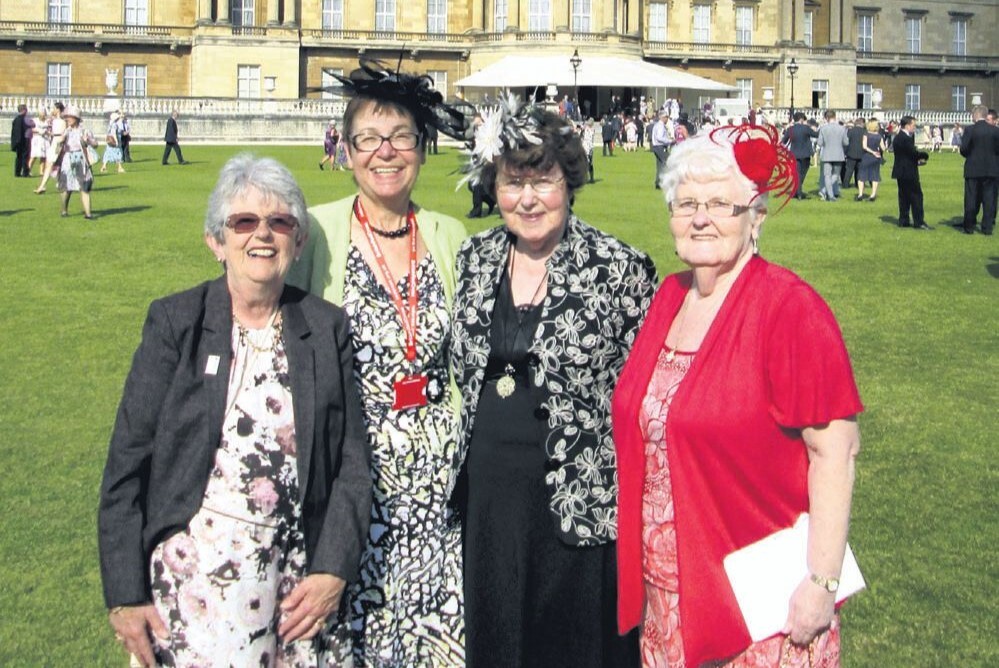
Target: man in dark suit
(20,141)
(171,140)
(854,151)
(906,172)
(980,148)
(798,138)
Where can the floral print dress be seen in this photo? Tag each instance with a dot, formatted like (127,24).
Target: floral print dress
(662,639)
(218,584)
(407,608)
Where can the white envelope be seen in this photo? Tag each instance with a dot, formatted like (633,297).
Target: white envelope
(765,574)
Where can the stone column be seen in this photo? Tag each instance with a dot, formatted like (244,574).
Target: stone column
(835,22)
(291,13)
(204,12)
(786,22)
(273,16)
(799,20)
(222,11)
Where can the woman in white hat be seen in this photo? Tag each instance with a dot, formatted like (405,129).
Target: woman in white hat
(112,152)
(75,170)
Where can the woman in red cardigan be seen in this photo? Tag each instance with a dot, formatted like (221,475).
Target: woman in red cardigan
(735,413)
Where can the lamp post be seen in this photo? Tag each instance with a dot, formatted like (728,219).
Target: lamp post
(575,61)
(792,70)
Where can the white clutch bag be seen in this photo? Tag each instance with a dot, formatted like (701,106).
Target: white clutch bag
(764,574)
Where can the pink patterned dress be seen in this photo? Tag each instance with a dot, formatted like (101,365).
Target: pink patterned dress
(662,641)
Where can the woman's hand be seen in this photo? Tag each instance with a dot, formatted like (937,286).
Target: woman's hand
(309,605)
(810,613)
(132,625)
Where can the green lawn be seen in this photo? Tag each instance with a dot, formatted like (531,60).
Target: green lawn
(918,309)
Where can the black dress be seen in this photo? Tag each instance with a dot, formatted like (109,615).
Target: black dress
(531,600)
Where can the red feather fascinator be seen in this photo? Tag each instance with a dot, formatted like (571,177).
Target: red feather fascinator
(762,158)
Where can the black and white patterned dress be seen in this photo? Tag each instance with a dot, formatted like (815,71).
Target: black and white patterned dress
(407,608)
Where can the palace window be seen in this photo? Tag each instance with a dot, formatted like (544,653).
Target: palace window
(248,81)
(912,95)
(439,78)
(332,14)
(745,87)
(136,12)
(865,32)
(385,15)
(242,13)
(135,81)
(60,11)
(657,21)
(436,16)
(581,11)
(539,15)
(865,93)
(820,93)
(809,28)
(959,98)
(744,25)
(702,24)
(331,85)
(959,44)
(499,15)
(58,79)
(913,34)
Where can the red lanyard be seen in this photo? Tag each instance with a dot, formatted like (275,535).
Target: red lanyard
(407,316)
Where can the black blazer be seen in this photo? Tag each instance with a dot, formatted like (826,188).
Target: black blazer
(980,148)
(856,136)
(171,131)
(798,137)
(599,290)
(17,132)
(906,156)
(169,425)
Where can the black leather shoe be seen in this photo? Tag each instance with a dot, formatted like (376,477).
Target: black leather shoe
(967,231)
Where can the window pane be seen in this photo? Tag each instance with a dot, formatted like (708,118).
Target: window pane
(539,16)
(499,16)
(657,22)
(242,12)
(385,15)
(332,14)
(959,96)
(135,81)
(581,10)
(702,24)
(864,93)
(809,27)
(60,11)
(248,81)
(436,16)
(440,80)
(912,95)
(58,79)
(331,85)
(960,42)
(865,32)
(913,29)
(744,25)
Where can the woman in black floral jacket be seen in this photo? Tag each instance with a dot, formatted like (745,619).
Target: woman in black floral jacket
(545,312)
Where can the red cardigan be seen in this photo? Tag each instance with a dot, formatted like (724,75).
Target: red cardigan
(772,362)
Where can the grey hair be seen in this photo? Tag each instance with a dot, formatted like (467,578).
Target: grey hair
(707,158)
(265,175)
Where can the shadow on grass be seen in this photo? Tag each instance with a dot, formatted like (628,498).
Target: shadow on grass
(890,220)
(103,213)
(13,212)
(107,188)
(993,267)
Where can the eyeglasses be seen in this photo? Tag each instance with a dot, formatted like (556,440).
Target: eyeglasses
(400,141)
(543,186)
(716,208)
(247,223)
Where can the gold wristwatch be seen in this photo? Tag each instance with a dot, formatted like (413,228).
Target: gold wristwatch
(829,584)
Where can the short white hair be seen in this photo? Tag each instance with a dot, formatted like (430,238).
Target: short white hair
(707,156)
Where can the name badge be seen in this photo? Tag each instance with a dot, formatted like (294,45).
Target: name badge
(410,392)
(212,365)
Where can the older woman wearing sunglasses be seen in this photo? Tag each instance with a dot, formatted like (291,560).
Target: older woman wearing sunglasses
(235,499)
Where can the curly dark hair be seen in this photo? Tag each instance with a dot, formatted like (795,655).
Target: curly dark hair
(560,145)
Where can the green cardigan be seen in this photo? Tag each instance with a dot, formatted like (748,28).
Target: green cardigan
(322,267)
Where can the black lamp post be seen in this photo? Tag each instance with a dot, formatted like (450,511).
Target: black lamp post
(792,69)
(575,61)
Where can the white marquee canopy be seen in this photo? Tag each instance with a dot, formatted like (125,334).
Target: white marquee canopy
(521,71)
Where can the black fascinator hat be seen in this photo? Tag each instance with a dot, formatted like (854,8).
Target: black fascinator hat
(414,93)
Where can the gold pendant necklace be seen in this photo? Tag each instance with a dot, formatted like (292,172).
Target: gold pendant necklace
(507,384)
